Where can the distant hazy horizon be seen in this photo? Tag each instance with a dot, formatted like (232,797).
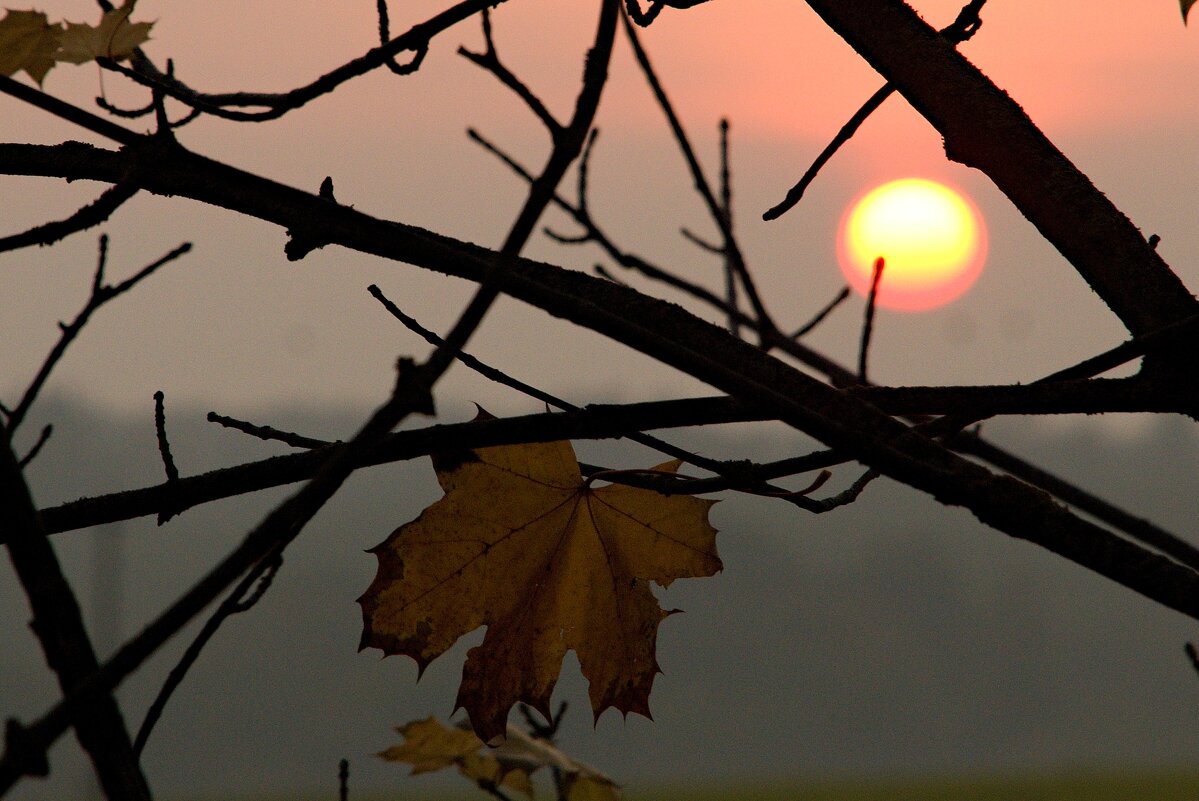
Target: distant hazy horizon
(891,637)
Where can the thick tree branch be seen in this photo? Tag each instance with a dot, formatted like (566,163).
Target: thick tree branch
(1092,396)
(674,337)
(593,422)
(984,128)
(843,377)
(58,624)
(263,544)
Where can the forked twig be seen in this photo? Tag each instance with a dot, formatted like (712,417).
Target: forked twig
(960,30)
(739,476)
(736,261)
(101,293)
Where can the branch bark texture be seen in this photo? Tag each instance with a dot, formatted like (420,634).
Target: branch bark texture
(659,329)
(985,129)
(58,624)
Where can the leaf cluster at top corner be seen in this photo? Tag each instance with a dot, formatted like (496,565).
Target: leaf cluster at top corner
(30,42)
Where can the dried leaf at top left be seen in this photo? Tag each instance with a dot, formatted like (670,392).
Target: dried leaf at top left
(115,37)
(28,42)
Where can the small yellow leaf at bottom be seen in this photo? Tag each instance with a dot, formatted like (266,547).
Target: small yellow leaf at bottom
(428,746)
(584,788)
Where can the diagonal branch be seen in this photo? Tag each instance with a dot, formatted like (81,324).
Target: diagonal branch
(736,261)
(90,215)
(101,294)
(984,128)
(275,104)
(667,333)
(58,624)
(962,29)
(592,422)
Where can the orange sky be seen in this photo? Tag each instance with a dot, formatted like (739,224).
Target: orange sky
(1070,63)
(771,64)
(1113,84)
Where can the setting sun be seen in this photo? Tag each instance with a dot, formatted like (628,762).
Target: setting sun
(930,237)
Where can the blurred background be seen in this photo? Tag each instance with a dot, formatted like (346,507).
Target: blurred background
(891,637)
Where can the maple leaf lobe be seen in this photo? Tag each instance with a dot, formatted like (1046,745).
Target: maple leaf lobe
(522,545)
(449,461)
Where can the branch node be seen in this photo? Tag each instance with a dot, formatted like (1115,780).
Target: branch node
(37,447)
(170,506)
(20,747)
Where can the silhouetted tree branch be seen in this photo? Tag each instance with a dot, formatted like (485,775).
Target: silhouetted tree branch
(911,434)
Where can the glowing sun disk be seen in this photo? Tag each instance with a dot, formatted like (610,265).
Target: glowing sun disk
(931,239)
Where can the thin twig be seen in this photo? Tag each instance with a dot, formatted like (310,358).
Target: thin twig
(1178,333)
(960,30)
(101,293)
(726,206)
(89,216)
(489,60)
(267,433)
(732,249)
(170,506)
(849,495)
(227,105)
(809,326)
(47,430)
(868,324)
(644,18)
(236,603)
(1192,655)
(385,34)
(127,113)
(701,243)
(164,444)
(796,193)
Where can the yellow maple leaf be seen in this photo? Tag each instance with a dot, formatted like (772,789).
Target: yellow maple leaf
(430,745)
(523,545)
(28,42)
(485,769)
(115,37)
(587,788)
